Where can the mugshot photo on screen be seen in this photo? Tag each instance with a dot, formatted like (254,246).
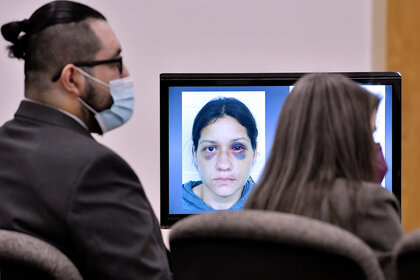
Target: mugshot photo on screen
(224,154)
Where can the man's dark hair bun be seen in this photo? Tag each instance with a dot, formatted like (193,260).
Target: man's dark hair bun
(11,32)
(20,33)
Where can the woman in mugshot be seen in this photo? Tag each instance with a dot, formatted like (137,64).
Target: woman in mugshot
(224,149)
(322,164)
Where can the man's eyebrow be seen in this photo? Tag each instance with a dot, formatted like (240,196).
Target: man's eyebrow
(117,53)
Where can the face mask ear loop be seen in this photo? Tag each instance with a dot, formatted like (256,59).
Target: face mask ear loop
(91,77)
(101,124)
(87,106)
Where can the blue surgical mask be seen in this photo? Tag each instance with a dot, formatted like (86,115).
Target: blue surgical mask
(122,92)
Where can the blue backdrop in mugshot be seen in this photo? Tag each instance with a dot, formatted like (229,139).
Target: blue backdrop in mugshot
(275,97)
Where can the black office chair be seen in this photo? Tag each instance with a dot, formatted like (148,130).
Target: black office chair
(254,244)
(26,257)
(407,256)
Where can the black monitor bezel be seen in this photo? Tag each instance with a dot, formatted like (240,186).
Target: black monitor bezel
(267,79)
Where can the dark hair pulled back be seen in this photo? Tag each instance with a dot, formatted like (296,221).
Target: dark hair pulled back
(11,32)
(219,108)
(56,12)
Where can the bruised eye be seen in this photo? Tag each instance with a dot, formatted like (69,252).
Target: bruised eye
(238,148)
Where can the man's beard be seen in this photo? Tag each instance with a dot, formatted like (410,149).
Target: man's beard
(88,116)
(91,92)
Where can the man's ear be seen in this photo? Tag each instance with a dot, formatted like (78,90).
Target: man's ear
(72,80)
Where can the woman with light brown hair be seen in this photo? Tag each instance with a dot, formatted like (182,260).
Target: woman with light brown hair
(322,164)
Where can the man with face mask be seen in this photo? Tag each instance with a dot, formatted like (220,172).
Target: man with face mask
(57,182)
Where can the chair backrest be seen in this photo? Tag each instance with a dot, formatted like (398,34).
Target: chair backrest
(26,257)
(254,244)
(407,256)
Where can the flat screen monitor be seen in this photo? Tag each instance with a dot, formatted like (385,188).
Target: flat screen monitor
(183,95)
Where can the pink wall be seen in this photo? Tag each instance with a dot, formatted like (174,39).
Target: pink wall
(211,36)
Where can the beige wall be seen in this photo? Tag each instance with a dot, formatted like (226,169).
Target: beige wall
(403,55)
(379,33)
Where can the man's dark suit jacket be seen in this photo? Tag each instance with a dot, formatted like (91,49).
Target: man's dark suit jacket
(57,183)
